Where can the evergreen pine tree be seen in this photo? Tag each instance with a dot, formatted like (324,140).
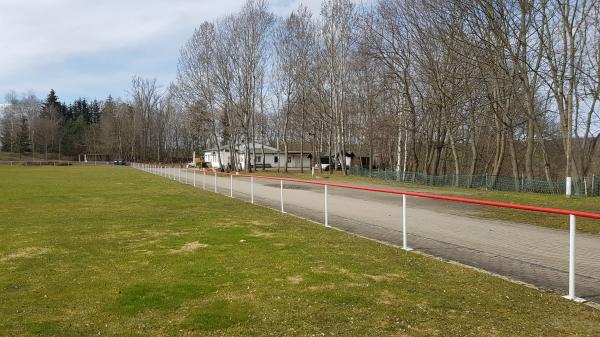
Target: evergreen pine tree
(53,102)
(22,138)
(80,109)
(95,112)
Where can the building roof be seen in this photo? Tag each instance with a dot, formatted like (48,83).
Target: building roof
(242,148)
(271,150)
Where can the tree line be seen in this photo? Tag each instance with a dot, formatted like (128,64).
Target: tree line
(440,87)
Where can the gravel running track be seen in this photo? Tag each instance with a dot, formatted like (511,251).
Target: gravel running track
(449,230)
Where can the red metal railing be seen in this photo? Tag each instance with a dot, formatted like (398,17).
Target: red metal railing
(430,196)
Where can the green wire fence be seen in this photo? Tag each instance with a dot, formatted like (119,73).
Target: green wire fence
(580,186)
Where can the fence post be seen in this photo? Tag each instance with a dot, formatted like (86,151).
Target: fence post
(572,229)
(569,183)
(179,173)
(326,208)
(251,189)
(404,235)
(194,172)
(281,194)
(231,186)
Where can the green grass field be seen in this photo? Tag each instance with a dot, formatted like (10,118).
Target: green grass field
(114,251)
(589,204)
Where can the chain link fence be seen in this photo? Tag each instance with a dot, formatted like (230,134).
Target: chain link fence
(580,186)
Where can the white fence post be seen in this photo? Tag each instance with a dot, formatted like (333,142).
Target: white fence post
(231,186)
(281,195)
(568,186)
(252,190)
(404,234)
(326,209)
(572,229)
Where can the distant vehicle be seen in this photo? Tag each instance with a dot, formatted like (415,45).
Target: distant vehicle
(196,162)
(324,167)
(119,162)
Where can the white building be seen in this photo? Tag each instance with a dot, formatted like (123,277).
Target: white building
(267,155)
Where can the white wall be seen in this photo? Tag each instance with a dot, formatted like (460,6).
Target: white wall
(213,158)
(269,159)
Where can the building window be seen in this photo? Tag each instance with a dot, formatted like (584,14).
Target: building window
(258,159)
(289,160)
(275,159)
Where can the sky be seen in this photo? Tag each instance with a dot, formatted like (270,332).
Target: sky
(87,48)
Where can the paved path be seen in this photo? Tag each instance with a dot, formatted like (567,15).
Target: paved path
(531,254)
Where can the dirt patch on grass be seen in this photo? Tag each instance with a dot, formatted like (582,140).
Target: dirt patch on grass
(156,233)
(27,252)
(295,279)
(386,297)
(260,234)
(322,287)
(262,223)
(384,277)
(189,247)
(338,271)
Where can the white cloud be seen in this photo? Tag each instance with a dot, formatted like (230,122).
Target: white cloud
(38,35)
(37,32)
